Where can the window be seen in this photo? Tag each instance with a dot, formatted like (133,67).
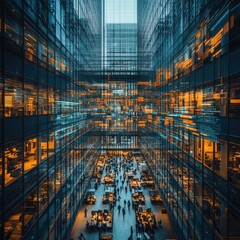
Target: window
(30,44)
(1,96)
(43,146)
(42,50)
(42,100)
(13,156)
(43,194)
(30,209)
(13,29)
(30,99)
(13,225)
(234,106)
(234,164)
(1,168)
(13,98)
(30,154)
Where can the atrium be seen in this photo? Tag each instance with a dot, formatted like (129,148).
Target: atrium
(119,119)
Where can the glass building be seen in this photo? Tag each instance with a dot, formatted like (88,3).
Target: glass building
(44,150)
(80,77)
(121,47)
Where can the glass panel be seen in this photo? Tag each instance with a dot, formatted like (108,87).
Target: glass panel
(51,184)
(42,50)
(234,225)
(43,195)
(1,94)
(51,144)
(13,98)
(13,29)
(234,164)
(30,44)
(51,55)
(30,154)
(42,100)
(31,7)
(1,169)
(13,225)
(30,99)
(30,209)
(234,106)
(50,101)
(208,153)
(58,178)
(43,146)
(13,162)
(42,13)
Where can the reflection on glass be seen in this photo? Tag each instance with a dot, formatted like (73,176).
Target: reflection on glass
(50,101)
(51,183)
(13,163)
(1,167)
(58,178)
(234,164)
(43,194)
(13,29)
(51,144)
(30,44)
(42,100)
(13,101)
(30,154)
(1,97)
(30,209)
(30,99)
(43,146)
(13,225)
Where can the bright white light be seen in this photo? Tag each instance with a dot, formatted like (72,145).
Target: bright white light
(121,11)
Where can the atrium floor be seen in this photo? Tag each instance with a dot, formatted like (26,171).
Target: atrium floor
(121,225)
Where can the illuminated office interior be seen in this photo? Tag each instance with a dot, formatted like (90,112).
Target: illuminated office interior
(84,78)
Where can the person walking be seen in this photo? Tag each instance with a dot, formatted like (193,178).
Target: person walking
(85,212)
(123,212)
(81,237)
(119,208)
(96,186)
(160,223)
(128,204)
(110,207)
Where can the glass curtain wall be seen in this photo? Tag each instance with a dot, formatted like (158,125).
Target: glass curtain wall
(191,47)
(120,35)
(46,158)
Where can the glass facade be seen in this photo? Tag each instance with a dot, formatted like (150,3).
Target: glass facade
(77,80)
(45,154)
(191,46)
(121,47)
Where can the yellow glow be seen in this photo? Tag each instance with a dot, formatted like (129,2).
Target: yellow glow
(234,100)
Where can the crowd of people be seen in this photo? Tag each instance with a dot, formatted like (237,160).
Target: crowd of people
(120,174)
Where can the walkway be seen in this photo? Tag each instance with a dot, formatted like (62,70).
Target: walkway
(121,225)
